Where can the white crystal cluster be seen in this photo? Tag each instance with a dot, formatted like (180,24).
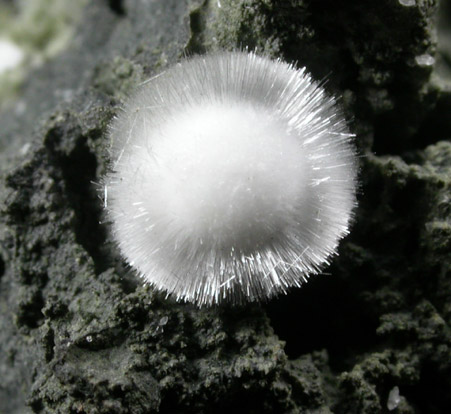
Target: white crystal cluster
(233,178)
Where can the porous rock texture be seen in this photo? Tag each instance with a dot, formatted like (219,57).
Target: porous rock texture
(80,334)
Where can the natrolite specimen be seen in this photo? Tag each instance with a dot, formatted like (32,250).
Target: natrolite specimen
(233,178)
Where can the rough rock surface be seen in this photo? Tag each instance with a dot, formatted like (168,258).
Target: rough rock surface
(78,331)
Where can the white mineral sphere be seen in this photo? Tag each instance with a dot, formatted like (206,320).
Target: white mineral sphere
(233,178)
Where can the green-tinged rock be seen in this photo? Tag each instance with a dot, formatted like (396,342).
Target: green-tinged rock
(40,29)
(79,333)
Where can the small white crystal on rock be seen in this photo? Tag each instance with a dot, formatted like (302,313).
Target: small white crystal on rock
(424,60)
(407,3)
(393,399)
